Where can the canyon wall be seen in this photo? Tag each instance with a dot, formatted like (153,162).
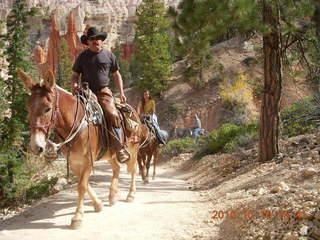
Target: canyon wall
(66,19)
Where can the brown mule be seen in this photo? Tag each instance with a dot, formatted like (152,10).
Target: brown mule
(149,149)
(51,107)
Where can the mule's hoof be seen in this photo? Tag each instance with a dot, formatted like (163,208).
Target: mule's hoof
(76,224)
(98,207)
(130,199)
(145,181)
(113,200)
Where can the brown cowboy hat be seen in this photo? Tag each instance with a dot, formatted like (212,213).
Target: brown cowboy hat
(93,33)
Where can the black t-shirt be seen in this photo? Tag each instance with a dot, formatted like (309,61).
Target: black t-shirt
(96,67)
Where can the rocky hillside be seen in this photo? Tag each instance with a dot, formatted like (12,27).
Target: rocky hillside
(251,200)
(233,58)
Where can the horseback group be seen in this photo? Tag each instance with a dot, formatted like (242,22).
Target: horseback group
(94,65)
(128,138)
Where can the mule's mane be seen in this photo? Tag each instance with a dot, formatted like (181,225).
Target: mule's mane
(40,87)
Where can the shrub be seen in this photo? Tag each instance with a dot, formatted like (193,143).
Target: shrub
(228,138)
(236,90)
(236,93)
(40,189)
(16,184)
(301,117)
(177,146)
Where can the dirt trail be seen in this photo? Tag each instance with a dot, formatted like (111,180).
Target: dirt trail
(163,209)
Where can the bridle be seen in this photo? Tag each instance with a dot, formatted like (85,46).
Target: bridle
(47,128)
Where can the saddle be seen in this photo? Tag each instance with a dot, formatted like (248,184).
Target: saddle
(148,122)
(131,121)
(96,116)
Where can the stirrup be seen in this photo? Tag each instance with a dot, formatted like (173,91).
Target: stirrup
(123,155)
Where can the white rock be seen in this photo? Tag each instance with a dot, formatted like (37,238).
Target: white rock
(262,191)
(284,186)
(304,230)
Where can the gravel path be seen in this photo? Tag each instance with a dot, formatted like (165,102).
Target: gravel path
(166,208)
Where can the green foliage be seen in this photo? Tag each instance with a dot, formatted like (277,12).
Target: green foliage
(123,65)
(153,47)
(15,180)
(227,138)
(301,117)
(15,42)
(200,24)
(175,108)
(64,66)
(177,146)
(3,106)
(16,52)
(41,189)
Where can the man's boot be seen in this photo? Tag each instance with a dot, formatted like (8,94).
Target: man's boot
(122,153)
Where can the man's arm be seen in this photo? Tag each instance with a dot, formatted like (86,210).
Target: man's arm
(119,84)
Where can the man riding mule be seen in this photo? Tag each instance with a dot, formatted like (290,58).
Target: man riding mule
(94,65)
(51,107)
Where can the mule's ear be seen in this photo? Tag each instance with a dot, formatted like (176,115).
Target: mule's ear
(27,80)
(50,81)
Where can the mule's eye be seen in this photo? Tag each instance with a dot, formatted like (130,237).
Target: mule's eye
(47,110)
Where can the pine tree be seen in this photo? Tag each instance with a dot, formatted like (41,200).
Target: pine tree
(16,52)
(64,66)
(123,65)
(200,24)
(153,44)
(209,21)
(17,55)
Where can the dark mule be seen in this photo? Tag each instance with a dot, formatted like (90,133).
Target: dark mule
(51,107)
(149,150)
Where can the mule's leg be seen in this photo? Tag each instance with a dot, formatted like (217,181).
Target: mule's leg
(114,182)
(83,179)
(149,157)
(132,168)
(97,204)
(142,167)
(155,161)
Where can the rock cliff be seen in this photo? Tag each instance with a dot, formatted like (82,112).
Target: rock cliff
(66,19)
(113,16)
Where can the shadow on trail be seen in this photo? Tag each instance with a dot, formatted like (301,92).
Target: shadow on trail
(63,204)
(36,219)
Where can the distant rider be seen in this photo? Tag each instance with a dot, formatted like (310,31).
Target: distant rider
(147,108)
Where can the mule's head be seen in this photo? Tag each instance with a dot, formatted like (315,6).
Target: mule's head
(41,104)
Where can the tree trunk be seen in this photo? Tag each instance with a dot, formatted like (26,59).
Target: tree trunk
(316,20)
(269,118)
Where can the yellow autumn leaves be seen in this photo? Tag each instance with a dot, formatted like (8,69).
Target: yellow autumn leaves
(236,90)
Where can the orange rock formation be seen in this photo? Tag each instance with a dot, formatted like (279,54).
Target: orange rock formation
(51,59)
